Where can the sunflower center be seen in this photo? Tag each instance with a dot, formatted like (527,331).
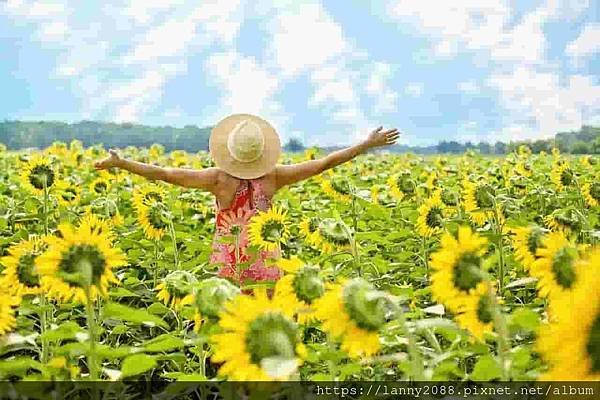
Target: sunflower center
(271,231)
(593,345)
(41,176)
(595,191)
(370,309)
(313,224)
(466,272)
(152,196)
(82,261)
(434,217)
(484,309)
(333,232)
(534,239)
(155,218)
(69,194)
(307,284)
(566,177)
(26,270)
(484,196)
(562,266)
(271,335)
(449,198)
(100,187)
(405,184)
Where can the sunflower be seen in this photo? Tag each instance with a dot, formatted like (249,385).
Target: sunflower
(571,344)
(148,195)
(302,285)
(556,267)
(38,174)
(375,189)
(152,221)
(81,260)
(210,297)
(311,153)
(176,289)
(333,234)
(457,267)
(478,199)
(401,185)
(565,220)
(591,193)
(20,271)
(477,314)
(260,341)
(7,312)
(562,176)
(354,313)
(309,228)
(431,216)
(268,230)
(338,188)
(526,241)
(68,194)
(100,186)
(96,224)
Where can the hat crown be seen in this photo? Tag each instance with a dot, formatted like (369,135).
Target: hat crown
(246,141)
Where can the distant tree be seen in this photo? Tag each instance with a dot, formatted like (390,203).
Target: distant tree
(294,145)
(580,148)
(500,148)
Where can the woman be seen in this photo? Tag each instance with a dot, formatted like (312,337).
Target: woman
(245,149)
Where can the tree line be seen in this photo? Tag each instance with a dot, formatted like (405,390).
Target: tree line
(40,134)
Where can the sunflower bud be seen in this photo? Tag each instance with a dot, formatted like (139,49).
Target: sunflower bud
(308,286)
(212,294)
(369,308)
(484,195)
(333,231)
(179,283)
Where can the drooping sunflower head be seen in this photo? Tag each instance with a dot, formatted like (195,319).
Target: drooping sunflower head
(260,340)
(571,342)
(334,234)
(153,220)
(79,265)
(148,195)
(478,200)
(20,272)
(431,216)
(7,312)
(95,224)
(526,242)
(369,308)
(302,285)
(477,314)
(211,295)
(566,220)
(68,194)
(562,175)
(555,266)
(176,289)
(38,175)
(268,230)
(338,188)
(100,186)
(591,193)
(402,185)
(457,267)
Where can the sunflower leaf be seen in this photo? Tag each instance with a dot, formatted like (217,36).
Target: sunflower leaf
(133,315)
(137,364)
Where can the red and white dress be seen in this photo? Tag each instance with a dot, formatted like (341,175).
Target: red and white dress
(248,200)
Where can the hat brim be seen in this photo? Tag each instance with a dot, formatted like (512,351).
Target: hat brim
(244,170)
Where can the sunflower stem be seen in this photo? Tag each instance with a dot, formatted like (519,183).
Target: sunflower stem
(413,350)
(174,242)
(43,327)
(91,321)
(156,252)
(500,324)
(500,245)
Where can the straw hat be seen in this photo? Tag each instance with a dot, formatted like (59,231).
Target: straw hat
(245,146)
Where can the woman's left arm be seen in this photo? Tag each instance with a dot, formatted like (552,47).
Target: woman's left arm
(288,174)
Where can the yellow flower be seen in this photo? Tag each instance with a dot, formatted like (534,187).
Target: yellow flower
(7,312)
(570,344)
(152,221)
(259,335)
(147,195)
(555,268)
(302,286)
(268,230)
(176,288)
(526,241)
(338,188)
(100,186)
(38,174)
(68,193)
(477,314)
(478,200)
(564,220)
(20,273)
(431,216)
(375,194)
(333,234)
(561,175)
(457,267)
(401,185)
(354,313)
(80,261)
(591,193)
(309,228)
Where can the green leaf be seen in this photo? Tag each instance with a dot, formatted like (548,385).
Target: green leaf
(486,369)
(137,364)
(164,342)
(133,315)
(18,366)
(525,318)
(65,331)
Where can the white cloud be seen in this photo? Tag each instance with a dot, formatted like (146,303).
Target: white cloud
(468,87)
(414,89)
(380,89)
(586,44)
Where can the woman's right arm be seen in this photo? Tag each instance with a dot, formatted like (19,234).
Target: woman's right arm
(201,179)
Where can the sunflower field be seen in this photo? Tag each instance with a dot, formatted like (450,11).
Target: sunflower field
(396,267)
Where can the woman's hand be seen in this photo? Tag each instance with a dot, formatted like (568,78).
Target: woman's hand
(113,160)
(379,137)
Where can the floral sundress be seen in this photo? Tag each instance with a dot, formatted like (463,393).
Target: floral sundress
(248,200)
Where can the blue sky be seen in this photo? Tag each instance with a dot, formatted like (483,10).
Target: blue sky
(326,72)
